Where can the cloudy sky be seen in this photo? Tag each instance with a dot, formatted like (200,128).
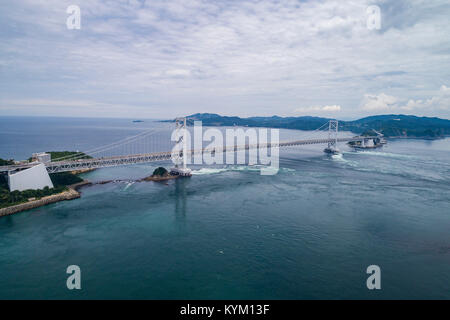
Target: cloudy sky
(161,59)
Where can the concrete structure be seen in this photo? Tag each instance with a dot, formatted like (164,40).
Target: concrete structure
(333,126)
(34,178)
(66,195)
(42,157)
(181,144)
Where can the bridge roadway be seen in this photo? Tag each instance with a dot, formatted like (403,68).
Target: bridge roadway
(71,165)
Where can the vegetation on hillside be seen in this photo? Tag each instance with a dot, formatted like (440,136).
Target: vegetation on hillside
(160,171)
(389,125)
(401,126)
(60,183)
(64,179)
(4,162)
(66,155)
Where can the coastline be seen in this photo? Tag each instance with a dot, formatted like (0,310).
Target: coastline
(418,138)
(70,194)
(159,178)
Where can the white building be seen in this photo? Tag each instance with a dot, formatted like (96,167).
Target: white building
(42,157)
(32,178)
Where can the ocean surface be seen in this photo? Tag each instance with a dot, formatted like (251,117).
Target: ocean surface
(228,232)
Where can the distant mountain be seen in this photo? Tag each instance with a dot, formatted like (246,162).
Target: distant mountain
(212,119)
(390,125)
(303,123)
(401,125)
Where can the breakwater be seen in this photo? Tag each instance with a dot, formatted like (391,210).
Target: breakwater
(70,194)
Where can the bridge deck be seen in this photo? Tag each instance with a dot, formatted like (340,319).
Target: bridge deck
(71,165)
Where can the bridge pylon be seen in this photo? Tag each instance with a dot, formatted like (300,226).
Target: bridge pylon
(180,158)
(333,129)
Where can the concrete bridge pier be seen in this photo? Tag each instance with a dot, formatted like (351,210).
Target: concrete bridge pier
(181,168)
(333,128)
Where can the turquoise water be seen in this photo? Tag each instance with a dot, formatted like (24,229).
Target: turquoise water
(308,232)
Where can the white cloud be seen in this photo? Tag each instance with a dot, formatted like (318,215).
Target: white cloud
(444,88)
(438,102)
(190,56)
(316,109)
(178,72)
(380,102)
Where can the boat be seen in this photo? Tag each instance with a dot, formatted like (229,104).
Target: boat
(371,143)
(331,150)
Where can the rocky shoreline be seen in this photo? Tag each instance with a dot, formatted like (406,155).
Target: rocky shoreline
(159,178)
(70,194)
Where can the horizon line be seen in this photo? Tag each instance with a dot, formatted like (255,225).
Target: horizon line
(202,113)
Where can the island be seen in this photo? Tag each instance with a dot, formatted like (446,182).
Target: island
(160,174)
(391,125)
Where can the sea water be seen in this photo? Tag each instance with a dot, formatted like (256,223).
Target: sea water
(309,232)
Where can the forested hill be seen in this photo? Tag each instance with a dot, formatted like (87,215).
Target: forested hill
(390,125)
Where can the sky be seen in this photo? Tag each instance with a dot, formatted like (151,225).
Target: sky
(163,59)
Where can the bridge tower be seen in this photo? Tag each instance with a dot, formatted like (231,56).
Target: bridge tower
(333,129)
(181,144)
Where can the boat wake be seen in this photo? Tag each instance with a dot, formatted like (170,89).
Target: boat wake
(385,154)
(255,168)
(204,171)
(129,184)
(338,157)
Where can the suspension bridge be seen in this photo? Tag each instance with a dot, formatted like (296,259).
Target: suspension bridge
(94,159)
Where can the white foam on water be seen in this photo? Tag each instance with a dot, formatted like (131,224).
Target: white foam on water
(338,157)
(385,154)
(204,171)
(407,168)
(253,168)
(128,185)
(246,168)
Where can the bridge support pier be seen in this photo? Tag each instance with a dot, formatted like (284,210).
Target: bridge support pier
(181,168)
(333,128)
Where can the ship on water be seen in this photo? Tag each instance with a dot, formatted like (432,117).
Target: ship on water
(369,143)
(332,150)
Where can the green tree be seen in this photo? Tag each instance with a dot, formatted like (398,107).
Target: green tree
(160,171)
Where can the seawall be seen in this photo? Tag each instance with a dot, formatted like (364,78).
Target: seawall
(66,195)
